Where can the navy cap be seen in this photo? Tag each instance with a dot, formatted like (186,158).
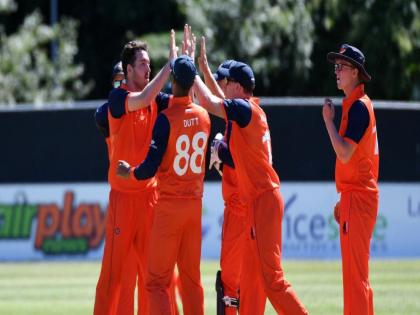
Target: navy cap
(352,55)
(241,73)
(225,64)
(117,69)
(184,71)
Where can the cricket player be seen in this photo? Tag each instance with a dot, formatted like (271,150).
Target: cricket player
(356,175)
(177,157)
(126,298)
(131,114)
(258,183)
(228,280)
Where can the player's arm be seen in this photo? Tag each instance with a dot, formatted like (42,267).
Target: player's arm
(358,121)
(209,101)
(137,100)
(101,119)
(223,153)
(157,148)
(208,75)
(162,101)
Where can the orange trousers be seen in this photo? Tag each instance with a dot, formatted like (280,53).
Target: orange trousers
(175,239)
(128,227)
(358,212)
(266,214)
(232,255)
(252,293)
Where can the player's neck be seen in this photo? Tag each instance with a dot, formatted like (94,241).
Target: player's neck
(132,87)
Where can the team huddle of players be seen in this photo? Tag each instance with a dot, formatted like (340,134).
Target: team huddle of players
(157,145)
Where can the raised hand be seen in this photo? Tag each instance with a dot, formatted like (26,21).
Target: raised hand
(173,49)
(328,111)
(202,59)
(188,42)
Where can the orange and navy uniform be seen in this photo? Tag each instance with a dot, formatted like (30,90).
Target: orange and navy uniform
(258,184)
(126,298)
(357,181)
(233,239)
(128,285)
(177,157)
(130,211)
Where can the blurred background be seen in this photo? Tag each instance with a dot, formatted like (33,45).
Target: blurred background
(56,59)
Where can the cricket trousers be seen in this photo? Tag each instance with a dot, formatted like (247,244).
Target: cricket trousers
(232,255)
(128,227)
(251,290)
(358,212)
(175,239)
(266,214)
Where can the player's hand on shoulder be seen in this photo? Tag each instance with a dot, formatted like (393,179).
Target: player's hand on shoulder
(215,160)
(123,169)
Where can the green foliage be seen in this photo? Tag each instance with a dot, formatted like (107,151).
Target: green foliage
(7,6)
(387,31)
(274,37)
(27,73)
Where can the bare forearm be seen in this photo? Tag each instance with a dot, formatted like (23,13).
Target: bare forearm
(343,149)
(210,102)
(143,99)
(212,84)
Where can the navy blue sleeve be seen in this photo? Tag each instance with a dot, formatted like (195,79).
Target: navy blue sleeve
(224,155)
(162,101)
(358,121)
(101,119)
(160,136)
(116,101)
(238,110)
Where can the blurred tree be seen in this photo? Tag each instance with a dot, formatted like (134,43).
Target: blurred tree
(26,72)
(387,31)
(274,37)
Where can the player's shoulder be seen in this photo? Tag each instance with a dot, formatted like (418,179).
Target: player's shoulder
(239,102)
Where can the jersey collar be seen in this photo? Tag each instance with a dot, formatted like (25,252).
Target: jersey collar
(357,93)
(179,101)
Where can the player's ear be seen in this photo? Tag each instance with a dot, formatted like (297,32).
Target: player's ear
(130,69)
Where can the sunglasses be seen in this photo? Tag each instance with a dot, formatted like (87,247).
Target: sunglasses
(339,66)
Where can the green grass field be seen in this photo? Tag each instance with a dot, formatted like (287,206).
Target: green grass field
(69,288)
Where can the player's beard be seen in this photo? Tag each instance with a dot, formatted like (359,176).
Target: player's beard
(140,81)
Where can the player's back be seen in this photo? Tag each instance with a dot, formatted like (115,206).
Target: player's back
(251,151)
(181,173)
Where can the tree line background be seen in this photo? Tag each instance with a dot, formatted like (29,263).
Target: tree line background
(285,41)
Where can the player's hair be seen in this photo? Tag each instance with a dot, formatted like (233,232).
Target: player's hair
(128,54)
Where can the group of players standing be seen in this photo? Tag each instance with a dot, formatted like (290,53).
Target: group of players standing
(157,145)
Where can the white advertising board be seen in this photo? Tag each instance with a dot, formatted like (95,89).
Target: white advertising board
(67,221)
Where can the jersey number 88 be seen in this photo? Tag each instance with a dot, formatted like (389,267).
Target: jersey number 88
(182,148)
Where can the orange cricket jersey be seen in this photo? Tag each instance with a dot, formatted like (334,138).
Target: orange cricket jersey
(181,172)
(108,146)
(130,137)
(361,172)
(251,151)
(229,184)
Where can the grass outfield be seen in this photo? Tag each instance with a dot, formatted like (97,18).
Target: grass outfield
(68,288)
